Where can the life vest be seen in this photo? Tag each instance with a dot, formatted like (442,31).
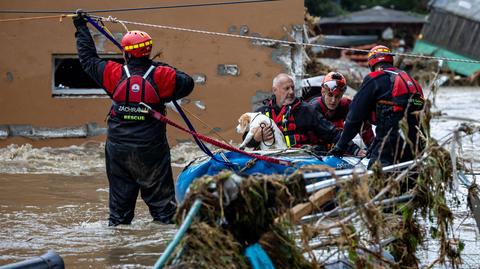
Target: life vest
(406,92)
(130,91)
(405,97)
(338,115)
(286,123)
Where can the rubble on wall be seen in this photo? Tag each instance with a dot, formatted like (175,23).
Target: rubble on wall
(353,72)
(28,131)
(228,70)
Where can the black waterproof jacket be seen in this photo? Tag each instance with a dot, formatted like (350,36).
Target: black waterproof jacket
(171,83)
(137,154)
(389,146)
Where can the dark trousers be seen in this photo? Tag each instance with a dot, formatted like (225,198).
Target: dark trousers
(132,170)
(393,151)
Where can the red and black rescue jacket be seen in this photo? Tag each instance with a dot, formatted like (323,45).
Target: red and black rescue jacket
(338,115)
(140,80)
(300,124)
(375,102)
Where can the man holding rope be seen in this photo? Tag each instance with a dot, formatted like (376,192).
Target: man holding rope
(137,153)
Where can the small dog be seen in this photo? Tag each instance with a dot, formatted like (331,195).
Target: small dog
(249,122)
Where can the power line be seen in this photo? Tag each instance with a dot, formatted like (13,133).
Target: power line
(134,9)
(268,40)
(286,42)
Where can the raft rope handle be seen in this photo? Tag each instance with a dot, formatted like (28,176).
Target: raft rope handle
(264,126)
(157,115)
(285,42)
(179,235)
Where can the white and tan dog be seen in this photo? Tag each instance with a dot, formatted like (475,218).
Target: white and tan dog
(249,122)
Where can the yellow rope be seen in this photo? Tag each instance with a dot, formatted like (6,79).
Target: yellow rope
(205,124)
(60,17)
(106,29)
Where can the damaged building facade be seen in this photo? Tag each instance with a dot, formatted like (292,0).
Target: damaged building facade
(452,32)
(46,99)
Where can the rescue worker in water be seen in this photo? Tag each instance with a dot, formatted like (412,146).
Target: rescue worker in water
(137,153)
(334,106)
(387,95)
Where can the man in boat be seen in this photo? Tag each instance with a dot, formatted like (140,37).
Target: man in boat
(137,153)
(334,106)
(387,96)
(300,123)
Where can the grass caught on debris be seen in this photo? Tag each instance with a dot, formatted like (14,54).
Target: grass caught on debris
(238,212)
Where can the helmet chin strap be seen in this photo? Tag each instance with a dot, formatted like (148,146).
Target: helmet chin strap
(376,67)
(128,57)
(381,66)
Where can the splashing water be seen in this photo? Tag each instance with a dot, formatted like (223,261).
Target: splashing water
(57,198)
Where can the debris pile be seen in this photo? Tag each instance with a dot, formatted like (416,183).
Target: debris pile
(374,220)
(425,70)
(238,212)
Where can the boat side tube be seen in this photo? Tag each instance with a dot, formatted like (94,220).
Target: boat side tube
(337,177)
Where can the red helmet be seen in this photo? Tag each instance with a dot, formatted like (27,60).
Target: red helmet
(334,82)
(137,43)
(379,54)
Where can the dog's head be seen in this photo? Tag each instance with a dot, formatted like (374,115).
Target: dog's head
(244,123)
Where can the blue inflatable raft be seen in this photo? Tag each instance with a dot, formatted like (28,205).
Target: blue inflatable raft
(244,165)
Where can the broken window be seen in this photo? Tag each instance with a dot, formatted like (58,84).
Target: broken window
(69,79)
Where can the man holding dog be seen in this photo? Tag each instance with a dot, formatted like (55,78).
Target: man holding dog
(300,123)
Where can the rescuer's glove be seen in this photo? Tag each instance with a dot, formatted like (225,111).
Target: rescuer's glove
(336,151)
(80,19)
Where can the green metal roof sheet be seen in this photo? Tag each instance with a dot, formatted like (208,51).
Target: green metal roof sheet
(466,69)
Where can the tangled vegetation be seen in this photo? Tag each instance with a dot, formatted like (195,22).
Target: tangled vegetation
(379,219)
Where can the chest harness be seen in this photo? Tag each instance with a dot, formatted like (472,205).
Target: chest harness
(286,123)
(130,92)
(406,93)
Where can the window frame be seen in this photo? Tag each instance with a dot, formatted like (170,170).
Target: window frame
(57,92)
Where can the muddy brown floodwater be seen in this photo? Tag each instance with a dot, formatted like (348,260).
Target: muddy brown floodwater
(68,215)
(56,199)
